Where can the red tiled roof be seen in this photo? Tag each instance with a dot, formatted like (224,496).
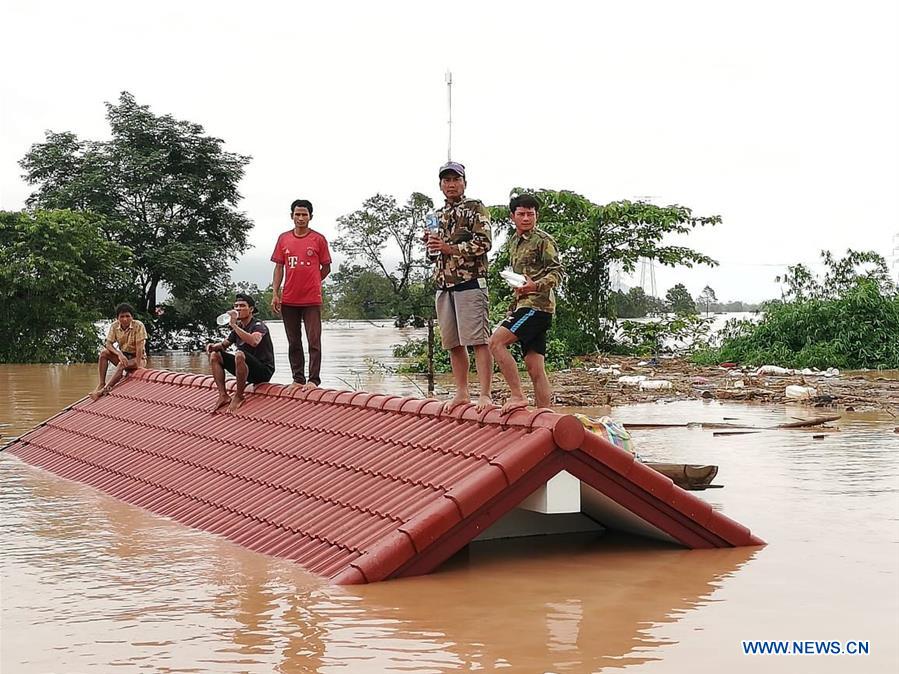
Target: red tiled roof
(356,487)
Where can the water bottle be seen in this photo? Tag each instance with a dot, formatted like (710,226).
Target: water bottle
(225,318)
(432,226)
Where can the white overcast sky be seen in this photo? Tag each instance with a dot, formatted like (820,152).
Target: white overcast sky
(781,117)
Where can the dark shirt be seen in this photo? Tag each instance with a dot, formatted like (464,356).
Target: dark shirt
(264,352)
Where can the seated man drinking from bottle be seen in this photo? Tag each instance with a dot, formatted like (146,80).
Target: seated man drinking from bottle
(252,362)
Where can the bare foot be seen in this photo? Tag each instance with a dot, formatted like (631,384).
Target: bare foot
(100,392)
(309,386)
(454,402)
(236,402)
(295,385)
(221,402)
(484,402)
(514,404)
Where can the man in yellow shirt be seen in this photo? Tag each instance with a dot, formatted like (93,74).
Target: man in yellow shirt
(125,347)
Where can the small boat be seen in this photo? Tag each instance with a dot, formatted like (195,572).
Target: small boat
(688,476)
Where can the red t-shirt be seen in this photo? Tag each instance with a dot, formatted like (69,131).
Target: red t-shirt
(302,258)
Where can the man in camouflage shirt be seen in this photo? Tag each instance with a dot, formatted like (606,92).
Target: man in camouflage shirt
(459,249)
(532,253)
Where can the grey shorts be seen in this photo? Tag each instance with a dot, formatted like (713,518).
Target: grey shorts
(462,316)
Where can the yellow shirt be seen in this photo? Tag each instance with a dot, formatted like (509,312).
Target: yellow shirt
(128,339)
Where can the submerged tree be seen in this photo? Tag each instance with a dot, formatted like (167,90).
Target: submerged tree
(164,188)
(58,275)
(362,293)
(848,319)
(706,299)
(679,300)
(384,238)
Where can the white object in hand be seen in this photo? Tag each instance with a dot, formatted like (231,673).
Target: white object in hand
(513,279)
(432,226)
(225,318)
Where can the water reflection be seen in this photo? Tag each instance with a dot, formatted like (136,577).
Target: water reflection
(574,603)
(122,586)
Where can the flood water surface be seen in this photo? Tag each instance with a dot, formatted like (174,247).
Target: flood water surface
(91,584)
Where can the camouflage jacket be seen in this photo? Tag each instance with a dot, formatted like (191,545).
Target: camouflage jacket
(465,225)
(535,255)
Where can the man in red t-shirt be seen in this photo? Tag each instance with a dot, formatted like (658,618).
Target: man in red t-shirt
(302,262)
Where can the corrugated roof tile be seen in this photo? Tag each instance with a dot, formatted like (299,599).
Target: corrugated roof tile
(355,486)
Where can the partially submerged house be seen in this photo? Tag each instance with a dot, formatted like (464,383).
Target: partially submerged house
(359,487)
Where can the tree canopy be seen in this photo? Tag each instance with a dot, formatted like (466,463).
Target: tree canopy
(382,242)
(679,300)
(58,275)
(847,319)
(163,188)
(707,299)
(591,237)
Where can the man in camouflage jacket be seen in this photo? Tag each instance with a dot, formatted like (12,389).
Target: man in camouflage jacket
(459,250)
(533,254)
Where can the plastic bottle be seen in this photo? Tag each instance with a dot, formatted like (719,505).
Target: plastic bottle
(225,318)
(797,392)
(432,226)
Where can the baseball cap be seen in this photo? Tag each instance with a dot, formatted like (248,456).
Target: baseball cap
(246,298)
(453,166)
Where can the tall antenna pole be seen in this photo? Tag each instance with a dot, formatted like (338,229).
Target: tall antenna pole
(449,123)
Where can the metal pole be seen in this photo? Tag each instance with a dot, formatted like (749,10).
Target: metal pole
(430,356)
(449,123)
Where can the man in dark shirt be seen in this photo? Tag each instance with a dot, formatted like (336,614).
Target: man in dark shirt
(254,359)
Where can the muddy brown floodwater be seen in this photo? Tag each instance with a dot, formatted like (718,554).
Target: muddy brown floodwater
(91,584)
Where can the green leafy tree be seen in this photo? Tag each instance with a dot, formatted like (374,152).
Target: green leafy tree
(679,334)
(382,231)
(848,319)
(58,274)
(165,189)
(362,293)
(841,275)
(679,300)
(635,303)
(706,299)
(592,237)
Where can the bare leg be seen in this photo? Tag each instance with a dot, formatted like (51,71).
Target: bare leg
(459,362)
(116,376)
(537,372)
(240,372)
(484,362)
(106,357)
(103,365)
(499,343)
(218,375)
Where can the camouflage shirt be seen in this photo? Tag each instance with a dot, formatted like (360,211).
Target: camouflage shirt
(534,254)
(465,225)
